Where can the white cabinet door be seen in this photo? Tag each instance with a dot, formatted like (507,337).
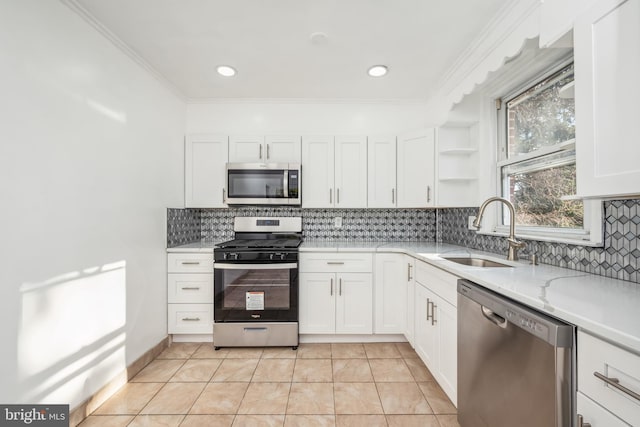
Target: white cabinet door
(607,63)
(204,169)
(317,303)
(447,324)
(411,296)
(354,303)
(416,164)
(381,182)
(391,274)
(282,149)
(426,333)
(595,414)
(351,172)
(317,172)
(247,148)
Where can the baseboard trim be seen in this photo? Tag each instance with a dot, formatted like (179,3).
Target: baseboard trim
(82,411)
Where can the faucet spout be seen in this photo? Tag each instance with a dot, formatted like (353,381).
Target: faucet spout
(514,244)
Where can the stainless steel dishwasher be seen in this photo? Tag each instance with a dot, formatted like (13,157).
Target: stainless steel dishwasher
(516,366)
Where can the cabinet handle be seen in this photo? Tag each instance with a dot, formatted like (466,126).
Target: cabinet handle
(330,195)
(409,272)
(428,193)
(393,195)
(224,194)
(190,262)
(340,287)
(190,319)
(260,153)
(433,313)
(337,196)
(335,262)
(581,422)
(428,304)
(332,286)
(190,288)
(267,151)
(615,383)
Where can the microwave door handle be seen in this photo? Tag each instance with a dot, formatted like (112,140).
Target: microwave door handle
(286,183)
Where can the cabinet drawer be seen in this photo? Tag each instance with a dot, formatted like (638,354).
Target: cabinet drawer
(189,263)
(596,415)
(336,262)
(595,355)
(190,319)
(190,288)
(440,282)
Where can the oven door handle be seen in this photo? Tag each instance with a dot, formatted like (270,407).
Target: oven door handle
(280,266)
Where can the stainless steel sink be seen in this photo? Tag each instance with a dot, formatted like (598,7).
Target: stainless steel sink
(476,262)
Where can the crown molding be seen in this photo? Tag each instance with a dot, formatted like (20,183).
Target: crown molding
(288,101)
(122,46)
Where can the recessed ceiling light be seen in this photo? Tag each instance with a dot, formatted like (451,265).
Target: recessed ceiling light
(226,71)
(378,70)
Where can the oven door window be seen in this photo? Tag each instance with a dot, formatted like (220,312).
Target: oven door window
(255,292)
(253,184)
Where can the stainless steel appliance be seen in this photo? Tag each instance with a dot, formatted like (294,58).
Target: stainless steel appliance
(256,284)
(516,366)
(263,184)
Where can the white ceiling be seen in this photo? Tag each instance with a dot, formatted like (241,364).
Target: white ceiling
(268,42)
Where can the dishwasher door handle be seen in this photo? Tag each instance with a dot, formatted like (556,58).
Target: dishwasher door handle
(493,317)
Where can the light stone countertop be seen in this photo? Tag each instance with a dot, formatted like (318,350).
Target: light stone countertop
(602,306)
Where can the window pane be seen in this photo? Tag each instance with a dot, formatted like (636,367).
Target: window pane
(540,117)
(536,193)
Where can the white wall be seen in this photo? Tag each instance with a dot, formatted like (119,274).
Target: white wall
(303,118)
(90,149)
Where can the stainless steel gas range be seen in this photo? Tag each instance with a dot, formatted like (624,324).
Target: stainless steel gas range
(256,284)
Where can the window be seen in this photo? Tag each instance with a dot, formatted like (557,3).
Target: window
(537,165)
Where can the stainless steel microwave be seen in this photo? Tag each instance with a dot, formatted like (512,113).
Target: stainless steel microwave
(263,184)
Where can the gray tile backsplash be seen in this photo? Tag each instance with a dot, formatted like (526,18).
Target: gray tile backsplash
(619,258)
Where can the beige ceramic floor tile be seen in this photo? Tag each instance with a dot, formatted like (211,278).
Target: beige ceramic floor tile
(235,370)
(174,398)
(390,370)
(274,370)
(309,421)
(207,421)
(313,370)
(106,421)
(381,350)
(157,421)
(437,398)
(448,420)
(158,371)
(357,398)
(351,371)
(402,398)
(406,350)
(196,370)
(314,351)
(412,421)
(265,398)
(220,398)
(418,370)
(361,421)
(130,399)
(207,351)
(348,351)
(244,353)
(258,421)
(311,399)
(279,353)
(179,350)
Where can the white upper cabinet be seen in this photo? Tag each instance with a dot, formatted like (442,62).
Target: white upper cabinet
(350,172)
(416,177)
(607,63)
(381,183)
(334,172)
(264,149)
(317,171)
(205,159)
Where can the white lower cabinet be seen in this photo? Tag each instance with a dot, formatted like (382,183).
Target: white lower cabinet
(436,323)
(391,285)
(411,296)
(335,293)
(601,365)
(190,293)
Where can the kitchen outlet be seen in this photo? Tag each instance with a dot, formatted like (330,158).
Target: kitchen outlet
(337,222)
(470,223)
